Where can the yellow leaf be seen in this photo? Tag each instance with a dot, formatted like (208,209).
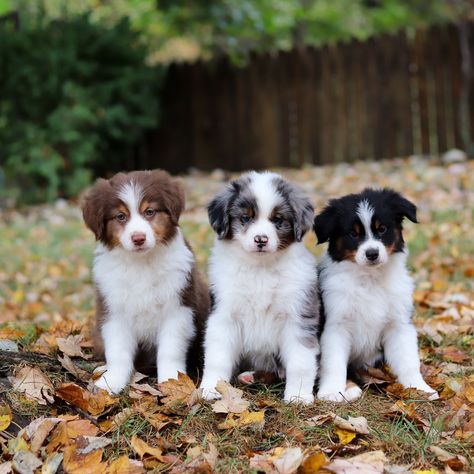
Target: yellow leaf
(5,417)
(426,471)
(313,463)
(345,437)
(124,465)
(76,463)
(252,418)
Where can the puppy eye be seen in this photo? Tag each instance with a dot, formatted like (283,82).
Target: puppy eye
(278,219)
(353,233)
(150,212)
(244,218)
(382,229)
(121,217)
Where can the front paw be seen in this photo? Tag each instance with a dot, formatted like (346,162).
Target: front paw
(343,396)
(210,393)
(424,387)
(303,398)
(113,383)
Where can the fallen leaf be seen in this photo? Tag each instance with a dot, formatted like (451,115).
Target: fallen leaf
(5,417)
(6,468)
(76,463)
(454,461)
(177,391)
(287,460)
(34,384)
(52,463)
(254,419)
(349,466)
(25,462)
(86,444)
(345,437)
(93,403)
(69,365)
(319,420)
(38,430)
(313,463)
(67,431)
(70,346)
(357,425)
(142,449)
(231,401)
(7,332)
(124,465)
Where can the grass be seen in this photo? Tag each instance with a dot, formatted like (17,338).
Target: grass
(46,255)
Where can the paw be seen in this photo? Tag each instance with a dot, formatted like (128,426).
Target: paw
(246,378)
(303,398)
(210,394)
(343,396)
(113,383)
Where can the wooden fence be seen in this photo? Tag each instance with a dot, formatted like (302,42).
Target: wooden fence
(393,95)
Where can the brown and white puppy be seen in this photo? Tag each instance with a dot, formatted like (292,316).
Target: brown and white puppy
(150,294)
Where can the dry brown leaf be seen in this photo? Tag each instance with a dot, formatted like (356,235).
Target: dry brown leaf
(357,425)
(319,420)
(11,333)
(313,463)
(140,390)
(454,461)
(124,465)
(5,416)
(76,463)
(142,449)
(231,401)
(177,391)
(252,419)
(38,430)
(93,403)
(69,365)
(34,384)
(67,431)
(87,444)
(71,346)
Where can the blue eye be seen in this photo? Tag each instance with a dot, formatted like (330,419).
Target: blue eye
(244,218)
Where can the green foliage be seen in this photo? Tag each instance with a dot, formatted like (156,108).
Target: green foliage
(73,95)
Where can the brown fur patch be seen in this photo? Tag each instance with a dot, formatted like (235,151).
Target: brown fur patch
(350,255)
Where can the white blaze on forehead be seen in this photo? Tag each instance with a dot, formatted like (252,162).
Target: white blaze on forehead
(365,212)
(131,195)
(263,188)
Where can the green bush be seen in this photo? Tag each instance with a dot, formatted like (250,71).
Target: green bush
(74,97)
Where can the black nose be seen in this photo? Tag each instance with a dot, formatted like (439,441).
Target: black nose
(261,240)
(372,254)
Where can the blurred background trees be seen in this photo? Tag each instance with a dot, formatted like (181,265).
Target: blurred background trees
(80,81)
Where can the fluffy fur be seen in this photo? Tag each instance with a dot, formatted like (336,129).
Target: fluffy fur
(366,291)
(265,285)
(151,301)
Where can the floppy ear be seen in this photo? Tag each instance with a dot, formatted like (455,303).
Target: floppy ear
(325,223)
(175,200)
(93,208)
(403,207)
(218,210)
(304,213)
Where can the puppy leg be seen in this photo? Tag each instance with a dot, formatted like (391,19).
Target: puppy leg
(401,354)
(300,362)
(173,342)
(120,347)
(221,350)
(335,347)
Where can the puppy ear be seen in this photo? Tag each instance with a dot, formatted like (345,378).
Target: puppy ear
(93,208)
(176,200)
(325,223)
(218,210)
(402,207)
(304,213)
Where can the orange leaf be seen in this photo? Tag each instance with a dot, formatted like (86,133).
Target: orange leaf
(124,465)
(75,463)
(313,463)
(177,391)
(142,448)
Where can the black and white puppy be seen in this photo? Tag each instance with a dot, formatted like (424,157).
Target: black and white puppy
(366,291)
(264,282)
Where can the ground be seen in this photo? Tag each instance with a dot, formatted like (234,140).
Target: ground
(46,305)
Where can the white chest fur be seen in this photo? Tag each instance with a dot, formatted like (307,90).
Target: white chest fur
(141,289)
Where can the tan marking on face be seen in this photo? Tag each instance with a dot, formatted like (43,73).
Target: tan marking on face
(160,223)
(114,227)
(390,249)
(350,255)
(357,228)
